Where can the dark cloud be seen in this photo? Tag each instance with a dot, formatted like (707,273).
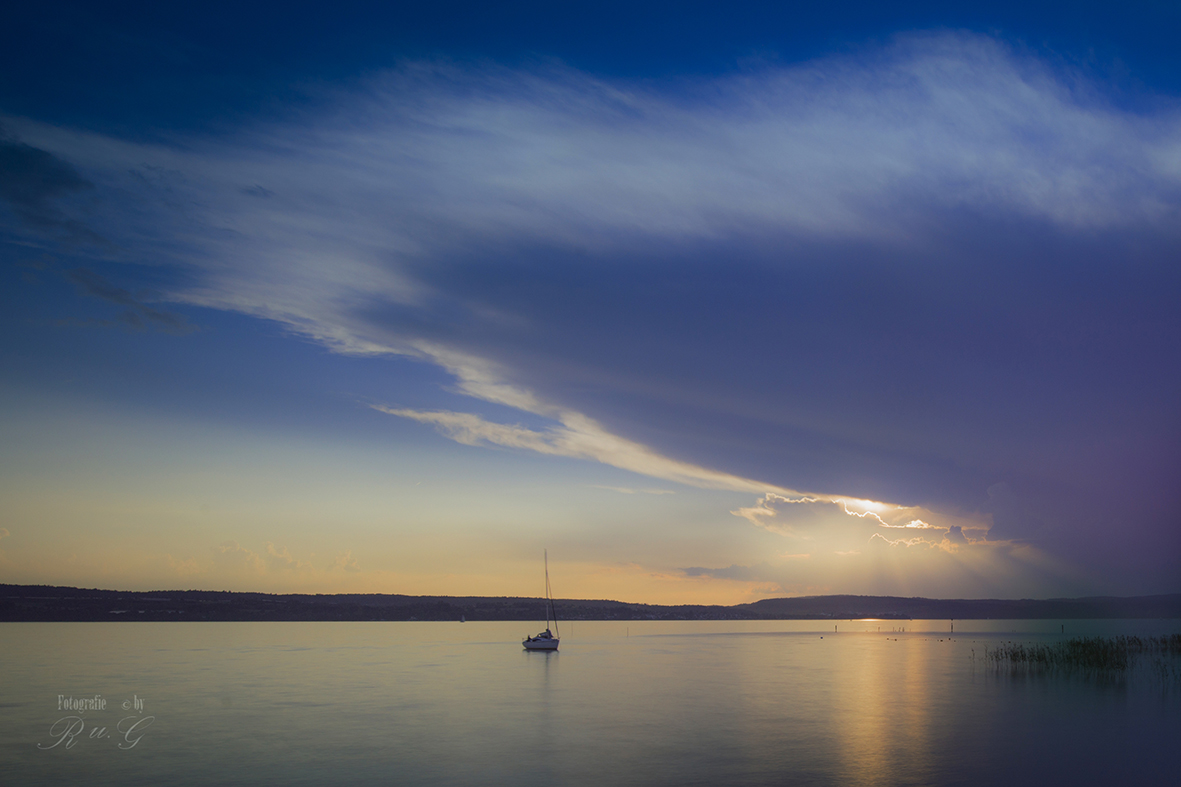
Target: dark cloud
(856,371)
(955,534)
(1002,367)
(736,572)
(138,315)
(31,180)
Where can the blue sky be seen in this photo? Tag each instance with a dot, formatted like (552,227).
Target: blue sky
(716,303)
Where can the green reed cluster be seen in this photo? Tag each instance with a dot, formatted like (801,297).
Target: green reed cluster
(1091,654)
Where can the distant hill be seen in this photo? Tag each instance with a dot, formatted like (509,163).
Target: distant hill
(48,603)
(846,607)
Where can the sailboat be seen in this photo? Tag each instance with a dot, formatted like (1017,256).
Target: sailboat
(546,640)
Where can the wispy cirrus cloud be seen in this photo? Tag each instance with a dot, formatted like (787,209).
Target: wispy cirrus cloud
(577,437)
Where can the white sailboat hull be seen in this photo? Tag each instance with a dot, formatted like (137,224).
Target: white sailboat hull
(540,644)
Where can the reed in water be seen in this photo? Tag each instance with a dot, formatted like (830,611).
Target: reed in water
(1092,654)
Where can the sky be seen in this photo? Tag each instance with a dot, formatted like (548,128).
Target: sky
(715,302)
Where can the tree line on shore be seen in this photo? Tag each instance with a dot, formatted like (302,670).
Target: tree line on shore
(53,603)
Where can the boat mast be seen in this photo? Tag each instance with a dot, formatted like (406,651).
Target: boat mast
(549,599)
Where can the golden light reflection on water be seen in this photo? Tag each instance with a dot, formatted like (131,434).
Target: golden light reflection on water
(885,708)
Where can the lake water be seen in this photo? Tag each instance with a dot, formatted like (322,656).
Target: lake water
(628,703)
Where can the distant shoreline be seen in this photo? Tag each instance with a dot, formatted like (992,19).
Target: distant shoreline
(43,603)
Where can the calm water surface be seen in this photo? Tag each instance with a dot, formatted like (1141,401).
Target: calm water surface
(711,703)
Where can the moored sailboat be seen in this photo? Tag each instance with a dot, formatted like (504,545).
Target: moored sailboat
(546,640)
